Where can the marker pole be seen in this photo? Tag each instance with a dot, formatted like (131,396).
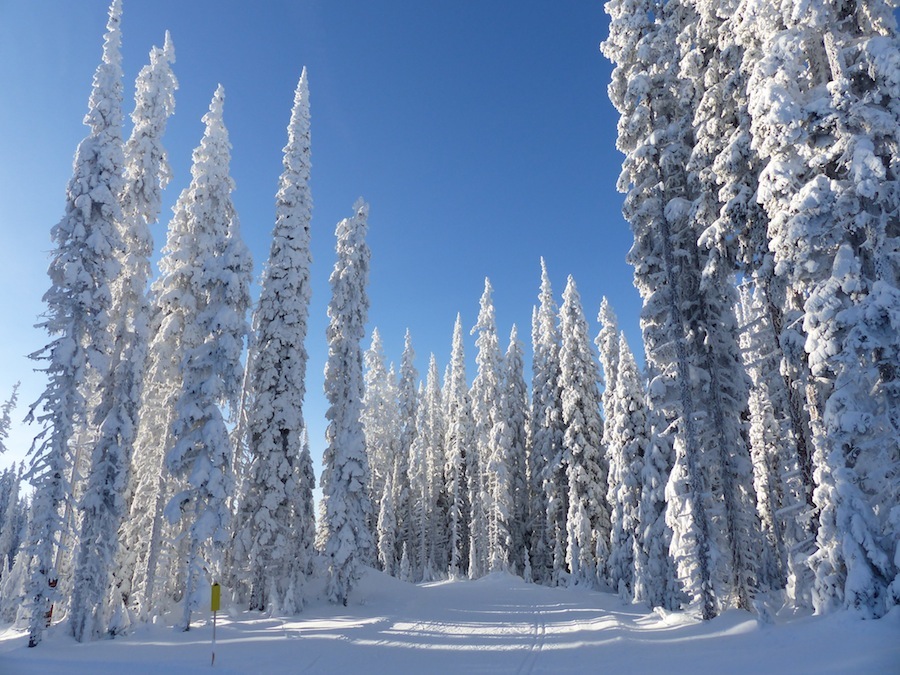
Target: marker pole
(215,600)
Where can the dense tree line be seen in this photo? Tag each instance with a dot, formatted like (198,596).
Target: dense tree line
(754,460)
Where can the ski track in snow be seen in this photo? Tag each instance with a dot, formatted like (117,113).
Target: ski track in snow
(497,624)
(540,633)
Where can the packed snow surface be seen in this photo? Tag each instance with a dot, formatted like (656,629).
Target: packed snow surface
(498,624)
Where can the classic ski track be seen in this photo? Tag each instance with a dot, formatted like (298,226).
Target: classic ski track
(537,645)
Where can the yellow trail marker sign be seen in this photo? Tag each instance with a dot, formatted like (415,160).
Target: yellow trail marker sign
(216,597)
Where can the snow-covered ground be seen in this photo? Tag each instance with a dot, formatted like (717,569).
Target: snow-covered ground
(495,625)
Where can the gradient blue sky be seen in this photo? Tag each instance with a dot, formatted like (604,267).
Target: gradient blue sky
(479,132)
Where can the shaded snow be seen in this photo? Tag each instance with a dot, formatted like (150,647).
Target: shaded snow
(498,624)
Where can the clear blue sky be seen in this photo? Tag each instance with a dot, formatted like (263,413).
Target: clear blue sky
(479,132)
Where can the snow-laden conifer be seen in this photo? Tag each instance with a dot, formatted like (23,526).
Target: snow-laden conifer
(277,382)
(10,513)
(435,433)
(13,582)
(345,471)
(697,381)
(84,263)
(457,444)
(146,174)
(407,399)
(6,416)
(785,517)
(387,528)
(853,566)
(827,187)
(485,532)
(627,444)
(587,520)
(608,345)
(380,418)
(546,471)
(420,565)
(210,270)
(514,440)
(303,531)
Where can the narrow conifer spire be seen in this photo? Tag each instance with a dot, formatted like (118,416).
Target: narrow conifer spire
(147,173)
(205,289)
(345,472)
(79,307)
(267,520)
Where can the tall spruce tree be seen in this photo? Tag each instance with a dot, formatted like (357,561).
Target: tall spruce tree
(515,439)
(627,443)
(827,186)
(345,471)
(380,418)
(485,533)
(84,263)
(587,520)
(277,384)
(146,174)
(697,383)
(211,269)
(435,433)
(420,566)
(408,401)
(547,474)
(457,444)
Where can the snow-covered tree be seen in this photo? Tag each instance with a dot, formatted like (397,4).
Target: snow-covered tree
(6,416)
(13,582)
(655,582)
(10,513)
(303,532)
(427,497)
(345,471)
(853,564)
(435,433)
(485,527)
(627,442)
(387,528)
(267,529)
(786,519)
(546,471)
(608,345)
(146,174)
(408,401)
(210,272)
(514,441)
(380,418)
(697,381)
(85,260)
(457,444)
(587,519)
(420,566)
(828,186)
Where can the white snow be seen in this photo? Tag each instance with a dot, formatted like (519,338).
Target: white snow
(498,624)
